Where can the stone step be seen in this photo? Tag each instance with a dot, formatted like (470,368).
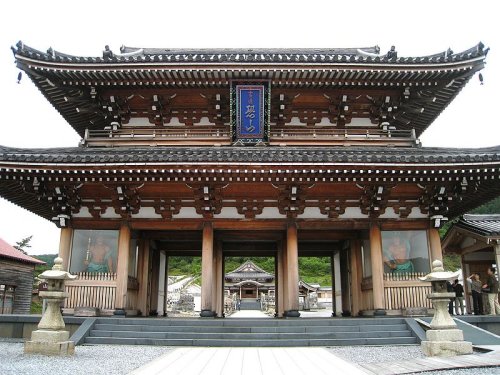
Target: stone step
(245,329)
(252,343)
(264,337)
(243,322)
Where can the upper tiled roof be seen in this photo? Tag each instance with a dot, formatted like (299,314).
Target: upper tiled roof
(264,155)
(138,55)
(247,271)
(74,84)
(7,251)
(487,225)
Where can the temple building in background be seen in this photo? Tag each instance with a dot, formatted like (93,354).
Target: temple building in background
(249,152)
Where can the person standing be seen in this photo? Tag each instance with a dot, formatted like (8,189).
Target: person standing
(459,297)
(477,297)
(492,287)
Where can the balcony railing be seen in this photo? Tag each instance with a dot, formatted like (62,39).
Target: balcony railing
(222,137)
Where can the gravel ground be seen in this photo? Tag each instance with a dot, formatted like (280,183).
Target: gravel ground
(88,359)
(109,359)
(374,354)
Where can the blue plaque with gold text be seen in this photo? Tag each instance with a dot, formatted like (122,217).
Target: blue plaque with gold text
(250,112)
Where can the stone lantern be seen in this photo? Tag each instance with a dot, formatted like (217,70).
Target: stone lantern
(50,338)
(444,338)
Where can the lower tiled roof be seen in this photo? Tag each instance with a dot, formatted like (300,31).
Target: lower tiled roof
(487,225)
(160,154)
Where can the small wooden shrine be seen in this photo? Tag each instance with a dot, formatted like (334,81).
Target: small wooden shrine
(16,279)
(263,152)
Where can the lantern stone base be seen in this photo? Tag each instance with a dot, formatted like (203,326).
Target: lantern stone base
(50,343)
(445,343)
(446,348)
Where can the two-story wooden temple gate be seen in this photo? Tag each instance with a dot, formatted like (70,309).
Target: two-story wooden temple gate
(192,150)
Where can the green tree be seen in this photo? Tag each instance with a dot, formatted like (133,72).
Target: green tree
(23,244)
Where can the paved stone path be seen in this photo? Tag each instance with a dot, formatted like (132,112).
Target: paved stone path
(291,361)
(251,361)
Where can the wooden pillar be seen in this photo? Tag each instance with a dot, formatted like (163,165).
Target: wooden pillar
(154,275)
(143,277)
(377,269)
(207,261)
(355,276)
(65,246)
(497,257)
(344,282)
(292,270)
(334,295)
(219,281)
(286,301)
(122,269)
(278,281)
(435,244)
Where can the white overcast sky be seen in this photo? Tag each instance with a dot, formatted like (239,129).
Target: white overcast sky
(83,28)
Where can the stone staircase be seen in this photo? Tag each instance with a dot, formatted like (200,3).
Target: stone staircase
(250,332)
(249,304)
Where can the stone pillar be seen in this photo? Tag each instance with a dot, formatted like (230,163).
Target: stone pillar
(122,270)
(344,282)
(292,260)
(355,276)
(377,269)
(435,243)
(65,246)
(143,277)
(162,275)
(207,261)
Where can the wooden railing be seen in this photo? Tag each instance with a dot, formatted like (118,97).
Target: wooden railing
(92,289)
(405,290)
(217,136)
(155,136)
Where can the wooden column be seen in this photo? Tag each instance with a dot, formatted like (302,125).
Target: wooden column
(143,277)
(497,256)
(344,282)
(278,281)
(377,269)
(122,269)
(355,276)
(166,286)
(65,246)
(154,276)
(334,295)
(219,281)
(207,261)
(292,269)
(435,244)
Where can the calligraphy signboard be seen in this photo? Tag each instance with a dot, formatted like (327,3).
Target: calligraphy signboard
(250,112)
